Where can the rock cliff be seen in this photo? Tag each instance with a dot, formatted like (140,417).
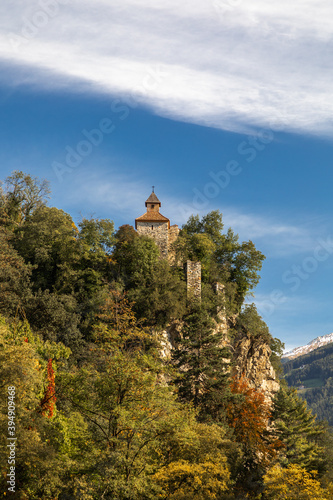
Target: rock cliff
(251,358)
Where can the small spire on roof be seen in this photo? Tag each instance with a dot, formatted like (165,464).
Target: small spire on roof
(153,199)
(153,189)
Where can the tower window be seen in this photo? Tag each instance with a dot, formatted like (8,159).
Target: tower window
(152,206)
(152,227)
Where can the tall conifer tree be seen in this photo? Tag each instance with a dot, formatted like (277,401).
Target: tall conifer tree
(203,361)
(298,430)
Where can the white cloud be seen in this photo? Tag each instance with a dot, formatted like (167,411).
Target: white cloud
(280,238)
(271,233)
(110,194)
(221,63)
(120,190)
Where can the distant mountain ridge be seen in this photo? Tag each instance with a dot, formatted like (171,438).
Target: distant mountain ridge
(311,346)
(312,375)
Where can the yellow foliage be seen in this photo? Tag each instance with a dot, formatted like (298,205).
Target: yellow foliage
(293,483)
(182,480)
(329,491)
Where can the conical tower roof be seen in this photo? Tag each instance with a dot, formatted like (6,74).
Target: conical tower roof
(153,211)
(152,199)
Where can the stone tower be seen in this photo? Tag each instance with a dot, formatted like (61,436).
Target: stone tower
(193,278)
(156,226)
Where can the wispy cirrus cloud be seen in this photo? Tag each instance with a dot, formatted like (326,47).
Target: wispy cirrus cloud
(279,237)
(225,64)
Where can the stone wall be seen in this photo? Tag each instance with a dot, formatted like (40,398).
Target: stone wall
(219,289)
(173,235)
(159,232)
(193,278)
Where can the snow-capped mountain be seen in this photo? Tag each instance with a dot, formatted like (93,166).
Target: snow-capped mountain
(311,346)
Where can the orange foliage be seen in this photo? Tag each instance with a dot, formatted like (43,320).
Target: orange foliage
(250,419)
(49,399)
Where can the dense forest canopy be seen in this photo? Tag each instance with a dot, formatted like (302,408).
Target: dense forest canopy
(100,413)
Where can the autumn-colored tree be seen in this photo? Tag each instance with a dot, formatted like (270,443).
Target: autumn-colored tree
(183,480)
(37,466)
(250,417)
(140,434)
(194,463)
(48,402)
(293,483)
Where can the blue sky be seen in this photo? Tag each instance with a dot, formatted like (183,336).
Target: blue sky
(221,104)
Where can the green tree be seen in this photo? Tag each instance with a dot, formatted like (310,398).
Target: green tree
(203,361)
(55,317)
(250,324)
(14,278)
(136,258)
(97,234)
(166,297)
(223,257)
(70,269)
(157,290)
(298,430)
(138,432)
(20,197)
(47,241)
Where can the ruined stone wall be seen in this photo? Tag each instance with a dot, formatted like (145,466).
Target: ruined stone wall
(193,278)
(221,313)
(173,235)
(158,231)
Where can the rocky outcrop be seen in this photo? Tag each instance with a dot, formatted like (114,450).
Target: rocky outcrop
(169,337)
(251,358)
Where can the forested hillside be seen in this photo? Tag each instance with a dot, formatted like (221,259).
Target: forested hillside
(97,411)
(312,375)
